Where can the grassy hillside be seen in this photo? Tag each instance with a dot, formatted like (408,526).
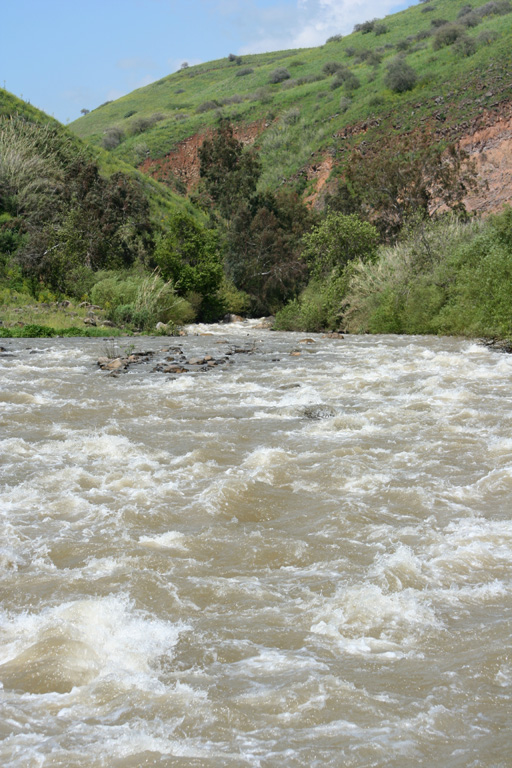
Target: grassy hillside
(162,199)
(461,67)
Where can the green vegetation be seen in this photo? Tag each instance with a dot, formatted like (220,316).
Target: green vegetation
(442,276)
(468,76)
(390,247)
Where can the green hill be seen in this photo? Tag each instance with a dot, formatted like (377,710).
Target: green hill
(460,58)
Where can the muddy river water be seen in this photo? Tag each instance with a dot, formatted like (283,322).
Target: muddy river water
(299,558)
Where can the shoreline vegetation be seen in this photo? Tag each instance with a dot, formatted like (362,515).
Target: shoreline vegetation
(442,276)
(91,246)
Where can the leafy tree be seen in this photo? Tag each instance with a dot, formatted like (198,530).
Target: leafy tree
(388,184)
(189,255)
(263,243)
(229,172)
(338,239)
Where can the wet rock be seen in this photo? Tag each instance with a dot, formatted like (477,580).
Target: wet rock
(114,365)
(318,412)
(266,322)
(333,335)
(231,318)
(174,369)
(307,341)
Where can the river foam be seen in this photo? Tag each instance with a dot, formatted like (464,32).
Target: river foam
(297,559)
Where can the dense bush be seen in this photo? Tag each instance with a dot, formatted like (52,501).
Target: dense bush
(207,106)
(494,8)
(400,76)
(279,75)
(442,277)
(465,46)
(140,300)
(331,67)
(366,26)
(334,39)
(189,256)
(243,71)
(112,138)
(338,239)
(447,35)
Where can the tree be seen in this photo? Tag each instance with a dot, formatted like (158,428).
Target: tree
(189,255)
(336,240)
(391,182)
(230,173)
(263,245)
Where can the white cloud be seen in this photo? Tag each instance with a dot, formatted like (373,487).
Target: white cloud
(297,23)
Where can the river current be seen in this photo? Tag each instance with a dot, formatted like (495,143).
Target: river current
(300,558)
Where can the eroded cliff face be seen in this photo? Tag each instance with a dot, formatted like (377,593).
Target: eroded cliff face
(183,162)
(487,139)
(490,146)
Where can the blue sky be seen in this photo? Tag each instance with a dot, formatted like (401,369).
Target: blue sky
(65,55)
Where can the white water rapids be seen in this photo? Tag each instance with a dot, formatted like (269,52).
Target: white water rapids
(301,558)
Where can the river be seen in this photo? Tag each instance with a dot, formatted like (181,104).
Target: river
(299,558)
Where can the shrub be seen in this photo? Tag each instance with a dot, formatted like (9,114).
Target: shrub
(130,113)
(436,23)
(365,27)
(140,300)
(400,76)
(334,39)
(112,138)
(207,106)
(279,75)
(345,103)
(494,8)
(291,116)
(470,20)
(447,35)
(486,37)
(337,240)
(262,95)
(380,29)
(331,67)
(373,58)
(351,82)
(465,46)
(235,99)
(143,124)
(236,59)
(244,71)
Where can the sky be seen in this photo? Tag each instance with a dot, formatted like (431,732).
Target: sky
(66,55)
